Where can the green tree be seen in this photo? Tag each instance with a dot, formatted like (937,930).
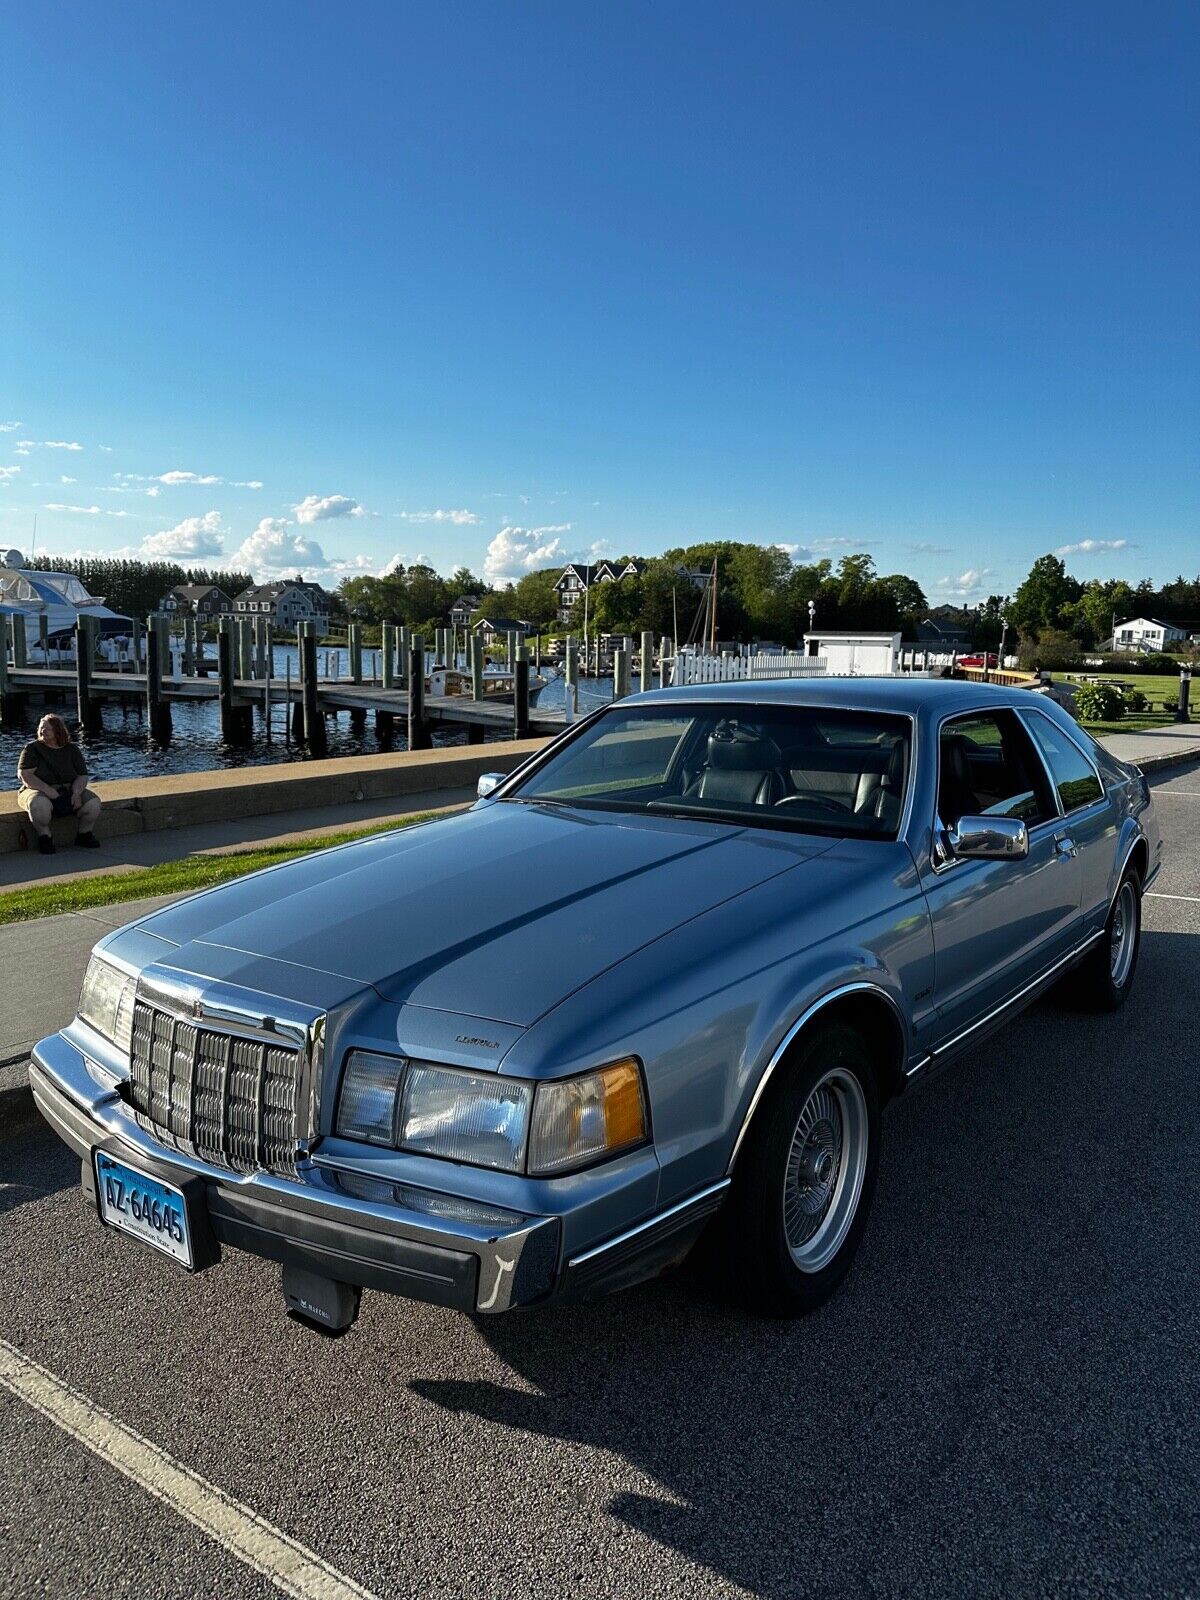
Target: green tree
(534,598)
(1040,602)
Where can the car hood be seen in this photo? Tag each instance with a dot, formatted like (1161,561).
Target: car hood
(498,913)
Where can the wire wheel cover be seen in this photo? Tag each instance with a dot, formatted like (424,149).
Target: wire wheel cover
(1123,935)
(825,1168)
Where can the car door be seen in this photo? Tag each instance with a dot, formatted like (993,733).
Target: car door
(997,924)
(1091,823)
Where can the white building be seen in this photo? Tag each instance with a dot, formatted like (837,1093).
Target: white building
(855,655)
(1149,634)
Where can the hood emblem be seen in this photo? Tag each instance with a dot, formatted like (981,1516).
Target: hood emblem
(197,1010)
(470,1038)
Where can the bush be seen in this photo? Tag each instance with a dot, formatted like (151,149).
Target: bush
(1099,702)
(1135,701)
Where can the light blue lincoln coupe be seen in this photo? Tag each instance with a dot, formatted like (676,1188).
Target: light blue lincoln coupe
(672,967)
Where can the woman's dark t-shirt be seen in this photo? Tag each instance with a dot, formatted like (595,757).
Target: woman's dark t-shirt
(59,768)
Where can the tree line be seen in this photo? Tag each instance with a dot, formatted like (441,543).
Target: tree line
(135,588)
(762,593)
(1057,613)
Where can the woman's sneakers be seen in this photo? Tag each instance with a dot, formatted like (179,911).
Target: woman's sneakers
(45,844)
(88,841)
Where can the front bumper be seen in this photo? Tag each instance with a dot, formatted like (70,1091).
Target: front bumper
(324,1221)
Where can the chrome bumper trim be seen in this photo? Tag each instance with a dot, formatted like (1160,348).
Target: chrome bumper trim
(267,1214)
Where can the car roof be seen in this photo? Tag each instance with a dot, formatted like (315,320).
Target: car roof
(904,695)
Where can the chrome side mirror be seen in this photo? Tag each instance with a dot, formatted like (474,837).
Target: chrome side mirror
(988,839)
(487,782)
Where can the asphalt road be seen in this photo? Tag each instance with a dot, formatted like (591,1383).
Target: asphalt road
(1002,1400)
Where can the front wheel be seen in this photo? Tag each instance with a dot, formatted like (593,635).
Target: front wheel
(805,1179)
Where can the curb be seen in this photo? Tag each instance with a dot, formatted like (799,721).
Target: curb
(1176,758)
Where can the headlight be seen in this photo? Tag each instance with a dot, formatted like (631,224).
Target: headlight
(488,1121)
(106,1002)
(579,1120)
(466,1116)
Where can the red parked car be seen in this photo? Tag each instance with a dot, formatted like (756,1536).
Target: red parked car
(993,660)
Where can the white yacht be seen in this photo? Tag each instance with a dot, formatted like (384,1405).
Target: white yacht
(57,596)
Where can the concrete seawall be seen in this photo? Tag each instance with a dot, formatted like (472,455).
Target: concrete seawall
(145,805)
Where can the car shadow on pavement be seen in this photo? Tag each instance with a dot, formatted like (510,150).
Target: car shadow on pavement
(33,1163)
(1001,1398)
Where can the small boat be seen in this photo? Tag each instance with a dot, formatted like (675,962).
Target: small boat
(498,683)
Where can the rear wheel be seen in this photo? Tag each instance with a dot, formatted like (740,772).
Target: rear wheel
(1105,977)
(806,1176)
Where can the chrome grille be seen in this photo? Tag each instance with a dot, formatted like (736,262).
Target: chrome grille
(225,1097)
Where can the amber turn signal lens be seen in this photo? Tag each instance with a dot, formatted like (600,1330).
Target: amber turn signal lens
(581,1120)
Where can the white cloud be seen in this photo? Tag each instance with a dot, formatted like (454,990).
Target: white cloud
(966,586)
(8,473)
(459,519)
(83,511)
(515,551)
(925,548)
(107,448)
(247,483)
(1089,547)
(61,444)
(312,509)
(152,493)
(65,479)
(194,536)
(798,552)
(204,478)
(23,446)
(271,548)
(10,427)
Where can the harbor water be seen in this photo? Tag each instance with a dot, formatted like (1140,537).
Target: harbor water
(123,748)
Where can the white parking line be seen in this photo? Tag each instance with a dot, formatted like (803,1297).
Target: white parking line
(268,1550)
(1154,894)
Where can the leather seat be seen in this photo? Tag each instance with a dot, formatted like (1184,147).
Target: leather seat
(956,788)
(742,769)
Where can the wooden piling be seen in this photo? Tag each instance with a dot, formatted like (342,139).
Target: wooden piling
(20,648)
(571,678)
(418,728)
(5,706)
(315,736)
(88,705)
(403,651)
(388,655)
(647,661)
(158,712)
(354,650)
(44,638)
(476,657)
(521,694)
(511,640)
(225,677)
(620,674)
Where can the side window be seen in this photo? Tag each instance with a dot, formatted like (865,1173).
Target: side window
(988,767)
(1076,782)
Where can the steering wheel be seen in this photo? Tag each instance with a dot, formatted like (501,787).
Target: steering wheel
(819,802)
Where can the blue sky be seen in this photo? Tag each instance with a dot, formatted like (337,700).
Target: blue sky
(507,283)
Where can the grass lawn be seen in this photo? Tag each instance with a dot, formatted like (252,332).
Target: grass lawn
(1157,687)
(173,877)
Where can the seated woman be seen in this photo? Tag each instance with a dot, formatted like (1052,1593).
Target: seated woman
(53,778)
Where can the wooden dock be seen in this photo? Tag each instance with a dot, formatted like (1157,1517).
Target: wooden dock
(491,714)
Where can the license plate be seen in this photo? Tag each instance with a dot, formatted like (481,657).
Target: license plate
(152,1211)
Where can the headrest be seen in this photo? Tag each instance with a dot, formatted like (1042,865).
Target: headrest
(733,749)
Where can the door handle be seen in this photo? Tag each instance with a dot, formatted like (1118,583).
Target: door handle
(1066,847)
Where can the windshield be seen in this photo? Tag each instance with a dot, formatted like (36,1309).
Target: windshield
(812,768)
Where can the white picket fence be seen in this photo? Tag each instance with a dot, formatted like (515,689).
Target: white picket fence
(690,668)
